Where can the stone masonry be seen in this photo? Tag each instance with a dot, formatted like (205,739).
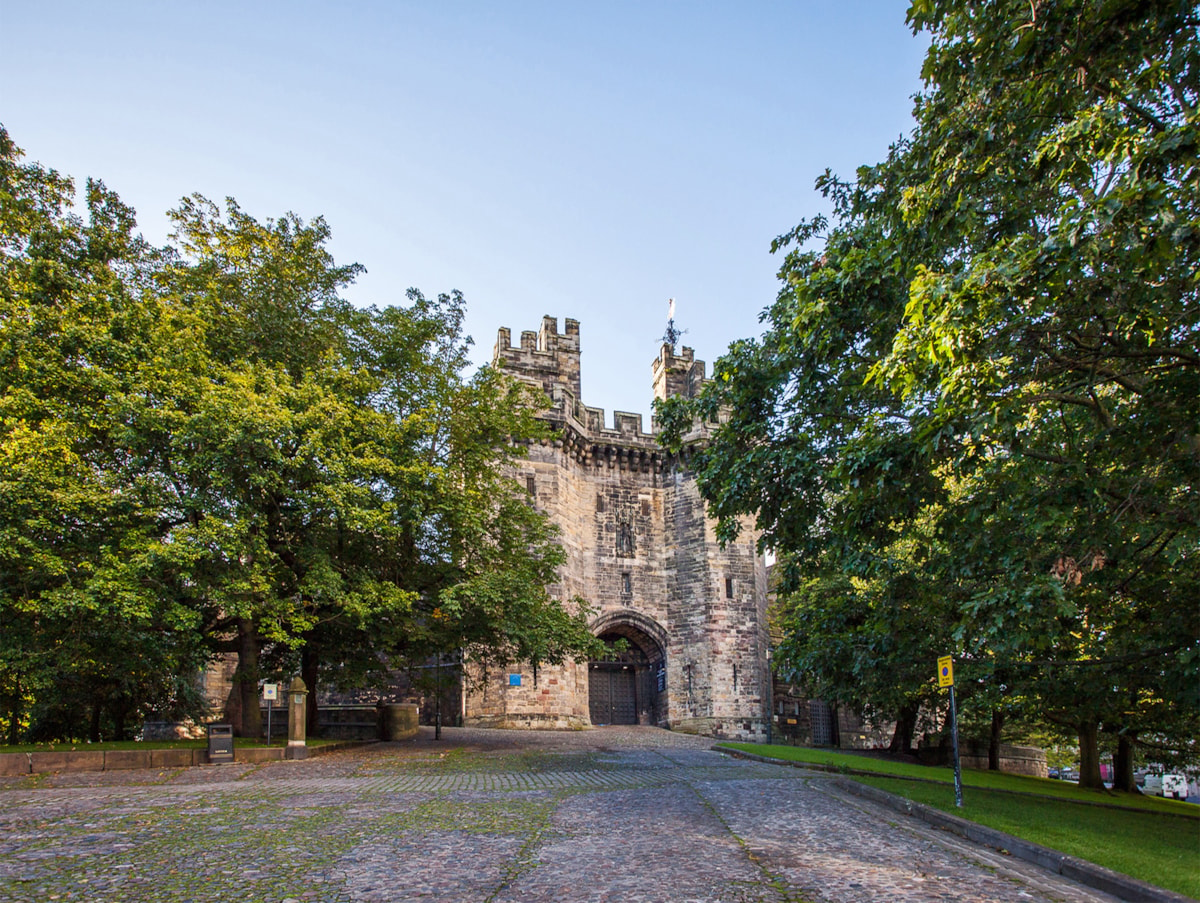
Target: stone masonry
(643,553)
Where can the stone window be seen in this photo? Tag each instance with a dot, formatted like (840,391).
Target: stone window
(627,584)
(530,485)
(728,587)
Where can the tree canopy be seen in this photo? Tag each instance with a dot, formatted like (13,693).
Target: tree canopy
(978,390)
(204,448)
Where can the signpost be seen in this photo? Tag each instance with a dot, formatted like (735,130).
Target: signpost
(270,694)
(946,679)
(437,705)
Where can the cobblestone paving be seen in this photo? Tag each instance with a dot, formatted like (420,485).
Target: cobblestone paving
(510,817)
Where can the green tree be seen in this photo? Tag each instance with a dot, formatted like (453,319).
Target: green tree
(344,495)
(998,338)
(87,631)
(206,449)
(484,557)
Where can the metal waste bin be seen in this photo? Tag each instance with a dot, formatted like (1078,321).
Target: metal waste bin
(220,744)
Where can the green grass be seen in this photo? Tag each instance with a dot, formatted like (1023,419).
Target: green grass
(83,746)
(991,780)
(1146,845)
(202,743)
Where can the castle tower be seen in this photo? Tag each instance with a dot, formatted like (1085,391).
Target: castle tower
(673,376)
(642,551)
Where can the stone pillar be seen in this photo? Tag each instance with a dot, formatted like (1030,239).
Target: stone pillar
(297,696)
(400,721)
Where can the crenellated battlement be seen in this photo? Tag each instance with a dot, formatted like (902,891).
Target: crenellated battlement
(592,422)
(546,357)
(550,359)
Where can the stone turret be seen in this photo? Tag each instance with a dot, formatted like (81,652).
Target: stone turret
(546,357)
(674,375)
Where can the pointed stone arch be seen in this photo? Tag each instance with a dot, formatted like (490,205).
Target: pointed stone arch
(629,685)
(609,621)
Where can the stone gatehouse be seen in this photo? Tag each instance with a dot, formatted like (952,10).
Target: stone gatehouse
(642,552)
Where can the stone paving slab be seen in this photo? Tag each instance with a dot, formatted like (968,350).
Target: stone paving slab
(658,834)
(634,815)
(835,852)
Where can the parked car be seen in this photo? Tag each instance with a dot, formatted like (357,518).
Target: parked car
(1174,786)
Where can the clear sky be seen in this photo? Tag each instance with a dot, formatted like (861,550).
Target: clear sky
(578,160)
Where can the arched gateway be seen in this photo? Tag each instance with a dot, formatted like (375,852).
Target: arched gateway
(629,685)
(691,613)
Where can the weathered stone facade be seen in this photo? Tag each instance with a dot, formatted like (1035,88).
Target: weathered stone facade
(643,553)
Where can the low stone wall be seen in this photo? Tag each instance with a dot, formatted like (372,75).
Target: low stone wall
(1028,760)
(16,764)
(748,730)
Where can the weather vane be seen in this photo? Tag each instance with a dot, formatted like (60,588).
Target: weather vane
(671,336)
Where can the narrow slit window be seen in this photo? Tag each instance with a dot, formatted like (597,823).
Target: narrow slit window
(627,584)
(728,587)
(530,485)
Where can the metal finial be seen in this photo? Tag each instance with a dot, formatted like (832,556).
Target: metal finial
(671,336)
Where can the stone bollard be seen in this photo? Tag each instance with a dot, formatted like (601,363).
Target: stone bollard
(297,696)
(399,721)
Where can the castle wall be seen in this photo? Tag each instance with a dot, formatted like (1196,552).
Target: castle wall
(643,554)
(718,630)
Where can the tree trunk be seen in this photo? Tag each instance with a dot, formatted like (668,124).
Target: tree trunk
(233,707)
(14,720)
(94,723)
(994,740)
(1123,766)
(310,667)
(117,712)
(245,680)
(906,724)
(1089,755)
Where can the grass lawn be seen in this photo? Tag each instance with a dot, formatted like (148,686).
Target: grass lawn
(1146,837)
(992,780)
(202,743)
(1161,850)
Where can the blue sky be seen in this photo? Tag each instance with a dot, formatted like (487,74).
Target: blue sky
(577,160)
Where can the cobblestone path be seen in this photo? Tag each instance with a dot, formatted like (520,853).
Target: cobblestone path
(606,815)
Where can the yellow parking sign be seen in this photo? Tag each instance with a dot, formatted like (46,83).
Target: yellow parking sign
(945,671)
